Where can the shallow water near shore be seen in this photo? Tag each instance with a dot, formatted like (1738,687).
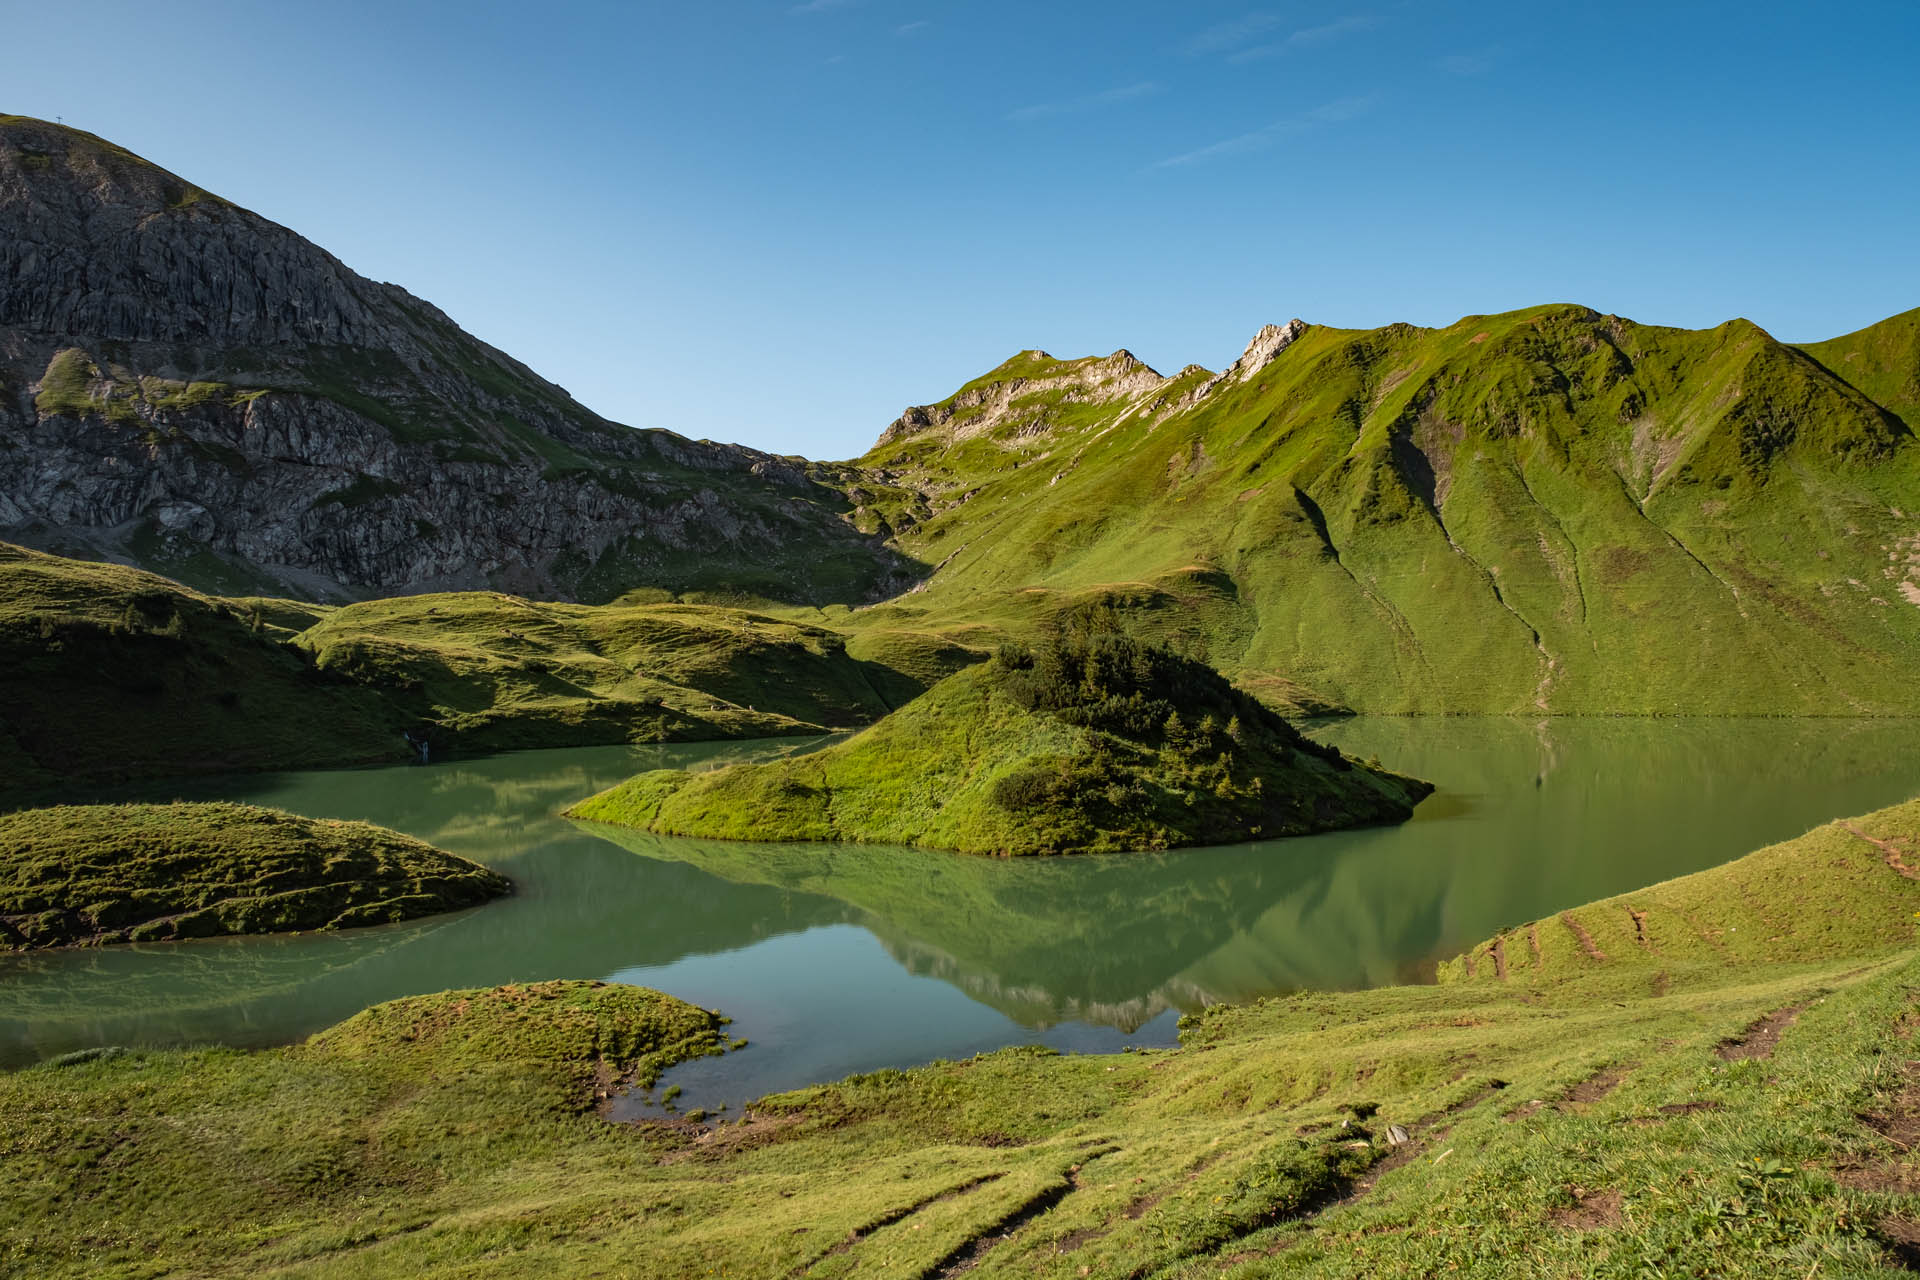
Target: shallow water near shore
(833,958)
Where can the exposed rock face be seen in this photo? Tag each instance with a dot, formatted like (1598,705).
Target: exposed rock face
(180,376)
(1268,343)
(986,408)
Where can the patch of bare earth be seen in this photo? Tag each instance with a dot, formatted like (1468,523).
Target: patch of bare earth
(1889,849)
(1901,1235)
(1590,1211)
(1584,938)
(1585,1093)
(1760,1038)
(1640,930)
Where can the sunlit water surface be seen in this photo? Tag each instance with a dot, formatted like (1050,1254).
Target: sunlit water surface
(833,959)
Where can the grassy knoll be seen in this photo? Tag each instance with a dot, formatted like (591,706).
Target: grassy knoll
(1546,510)
(1079,744)
(94,874)
(1730,1098)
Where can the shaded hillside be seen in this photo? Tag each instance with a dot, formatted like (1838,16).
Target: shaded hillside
(1081,744)
(191,387)
(108,672)
(1546,510)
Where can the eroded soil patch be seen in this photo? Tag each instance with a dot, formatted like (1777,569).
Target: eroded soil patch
(1760,1038)
(1590,1211)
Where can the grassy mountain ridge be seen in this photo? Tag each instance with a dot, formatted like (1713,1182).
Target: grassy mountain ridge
(1547,510)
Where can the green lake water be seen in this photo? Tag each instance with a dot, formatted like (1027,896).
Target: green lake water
(834,959)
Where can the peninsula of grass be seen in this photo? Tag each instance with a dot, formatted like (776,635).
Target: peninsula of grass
(87,875)
(1081,743)
(1708,1077)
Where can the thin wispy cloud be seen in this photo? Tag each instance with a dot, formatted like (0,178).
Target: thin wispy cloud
(1329,113)
(821,6)
(1307,38)
(1469,64)
(907,29)
(1087,102)
(1224,36)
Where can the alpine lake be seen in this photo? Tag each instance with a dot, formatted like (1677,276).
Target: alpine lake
(834,959)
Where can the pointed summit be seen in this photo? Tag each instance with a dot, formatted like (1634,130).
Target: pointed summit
(1266,344)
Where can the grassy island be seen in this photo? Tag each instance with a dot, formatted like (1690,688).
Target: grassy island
(1080,743)
(91,874)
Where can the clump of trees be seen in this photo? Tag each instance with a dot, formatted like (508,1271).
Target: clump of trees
(1148,703)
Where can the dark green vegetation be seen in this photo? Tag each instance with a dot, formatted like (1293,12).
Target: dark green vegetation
(1723,1093)
(94,874)
(1080,743)
(108,672)
(1548,510)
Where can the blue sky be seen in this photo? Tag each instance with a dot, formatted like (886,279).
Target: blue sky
(781,222)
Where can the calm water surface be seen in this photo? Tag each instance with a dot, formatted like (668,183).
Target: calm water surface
(834,959)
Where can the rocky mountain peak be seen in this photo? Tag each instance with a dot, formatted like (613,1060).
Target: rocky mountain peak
(1268,343)
(183,381)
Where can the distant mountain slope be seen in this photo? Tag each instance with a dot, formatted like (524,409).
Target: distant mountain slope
(1882,360)
(1546,511)
(191,387)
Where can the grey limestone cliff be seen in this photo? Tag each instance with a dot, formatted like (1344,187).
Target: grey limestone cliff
(191,387)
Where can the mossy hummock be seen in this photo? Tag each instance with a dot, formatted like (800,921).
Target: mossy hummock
(82,875)
(1079,744)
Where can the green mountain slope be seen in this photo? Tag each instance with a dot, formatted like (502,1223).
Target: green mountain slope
(1882,360)
(1548,510)
(1080,745)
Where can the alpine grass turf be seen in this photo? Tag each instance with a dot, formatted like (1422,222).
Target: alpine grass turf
(95,874)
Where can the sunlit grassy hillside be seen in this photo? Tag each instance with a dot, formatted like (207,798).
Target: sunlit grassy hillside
(1547,510)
